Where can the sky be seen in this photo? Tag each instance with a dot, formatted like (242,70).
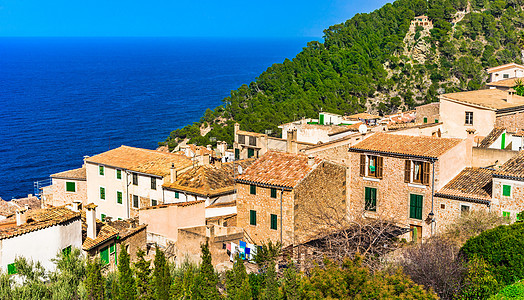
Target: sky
(178,18)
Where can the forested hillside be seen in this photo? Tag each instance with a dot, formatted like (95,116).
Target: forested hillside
(370,63)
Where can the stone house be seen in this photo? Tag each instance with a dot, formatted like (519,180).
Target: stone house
(285,197)
(397,174)
(67,187)
(422,21)
(508,187)
(122,180)
(427,113)
(38,235)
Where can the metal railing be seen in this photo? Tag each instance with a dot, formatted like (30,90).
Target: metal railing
(38,185)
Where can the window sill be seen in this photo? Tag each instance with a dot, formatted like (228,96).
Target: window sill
(370,214)
(371,179)
(416,185)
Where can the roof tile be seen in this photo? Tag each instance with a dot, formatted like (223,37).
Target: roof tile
(472,183)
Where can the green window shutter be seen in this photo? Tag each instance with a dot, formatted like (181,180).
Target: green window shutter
(370,199)
(103,217)
(112,248)
(273,193)
(425,120)
(252,217)
(70,187)
(321,119)
(101,170)
(177,195)
(11,269)
(119,197)
(104,256)
(503,142)
(102,193)
(415,206)
(250,152)
(419,207)
(506,214)
(237,154)
(506,190)
(66,250)
(274,222)
(436,120)
(118,174)
(253,189)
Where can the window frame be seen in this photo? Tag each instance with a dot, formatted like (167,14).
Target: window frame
(154,204)
(121,197)
(414,163)
(118,174)
(409,172)
(506,188)
(102,192)
(153,183)
(252,189)
(367,206)
(273,193)
(468,118)
(177,195)
(101,170)
(465,208)
(252,217)
(103,217)
(250,152)
(134,178)
(413,213)
(365,171)
(67,186)
(137,201)
(273,222)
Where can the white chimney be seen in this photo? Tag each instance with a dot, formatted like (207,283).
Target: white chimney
(173,173)
(91,220)
(511,93)
(21,216)
(222,147)
(311,161)
(75,206)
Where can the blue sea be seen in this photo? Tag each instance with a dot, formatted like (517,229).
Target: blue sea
(63,98)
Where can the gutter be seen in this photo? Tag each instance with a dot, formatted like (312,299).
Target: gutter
(267,185)
(397,155)
(467,199)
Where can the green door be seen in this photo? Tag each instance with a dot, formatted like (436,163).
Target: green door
(503,143)
(104,256)
(321,119)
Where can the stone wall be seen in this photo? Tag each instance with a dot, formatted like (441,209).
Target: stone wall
(512,204)
(429,111)
(448,210)
(512,122)
(61,197)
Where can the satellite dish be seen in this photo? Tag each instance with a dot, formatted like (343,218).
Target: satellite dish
(362,129)
(240,170)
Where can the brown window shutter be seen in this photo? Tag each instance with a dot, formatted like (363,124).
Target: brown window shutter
(407,171)
(362,165)
(425,173)
(379,166)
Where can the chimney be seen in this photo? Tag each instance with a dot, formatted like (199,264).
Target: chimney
(511,93)
(21,216)
(91,220)
(173,173)
(291,145)
(310,161)
(76,206)
(204,159)
(222,147)
(469,146)
(85,158)
(208,147)
(237,128)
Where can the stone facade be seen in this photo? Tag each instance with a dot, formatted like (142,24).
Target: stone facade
(428,113)
(512,122)
(448,210)
(62,197)
(512,204)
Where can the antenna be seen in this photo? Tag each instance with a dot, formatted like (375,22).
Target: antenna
(363,129)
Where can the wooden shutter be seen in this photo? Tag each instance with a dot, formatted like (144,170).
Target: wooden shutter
(425,173)
(362,165)
(407,171)
(380,160)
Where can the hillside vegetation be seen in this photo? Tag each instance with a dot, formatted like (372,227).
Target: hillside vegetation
(374,62)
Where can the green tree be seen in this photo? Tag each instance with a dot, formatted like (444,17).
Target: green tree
(161,276)
(270,290)
(70,271)
(94,281)
(143,277)
(479,283)
(237,282)
(126,281)
(205,282)
(290,288)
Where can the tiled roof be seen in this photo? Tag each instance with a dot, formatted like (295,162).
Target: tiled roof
(278,169)
(494,99)
(40,219)
(422,146)
(514,167)
(209,180)
(365,116)
(180,204)
(346,128)
(505,67)
(76,174)
(141,160)
(107,231)
(104,233)
(471,183)
(7,208)
(242,132)
(491,138)
(509,83)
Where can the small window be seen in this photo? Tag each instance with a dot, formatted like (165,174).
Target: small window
(443,206)
(71,187)
(425,120)
(469,118)
(505,76)
(253,189)
(273,193)
(153,183)
(177,195)
(252,217)
(252,141)
(154,202)
(464,209)
(274,222)
(436,120)
(370,199)
(101,170)
(103,217)
(250,153)
(11,269)
(506,214)
(112,248)
(119,197)
(118,174)
(135,201)
(66,251)
(241,139)
(415,206)
(417,171)
(237,153)
(506,190)
(135,179)
(102,193)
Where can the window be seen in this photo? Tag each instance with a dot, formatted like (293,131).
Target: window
(415,206)
(135,179)
(153,183)
(112,248)
(425,120)
(154,202)
(118,174)
(102,193)
(371,166)
(274,222)
(66,251)
(464,209)
(119,197)
(104,256)
(101,170)
(273,193)
(506,190)
(505,76)
(469,118)
(253,189)
(237,153)
(11,269)
(70,187)
(103,217)
(443,206)
(135,201)
(436,120)
(241,139)
(250,152)
(416,172)
(370,199)
(252,141)
(506,214)
(252,217)
(177,195)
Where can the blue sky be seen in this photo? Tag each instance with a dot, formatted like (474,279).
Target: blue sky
(204,18)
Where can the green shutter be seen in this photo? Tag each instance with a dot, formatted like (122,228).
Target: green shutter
(250,152)
(70,187)
(11,269)
(253,189)
(370,199)
(506,190)
(321,119)
(102,193)
(177,195)
(436,120)
(252,217)
(103,217)
(104,256)
(237,154)
(273,193)
(101,170)
(274,222)
(425,120)
(503,142)
(66,250)
(415,206)
(506,214)
(118,174)
(119,197)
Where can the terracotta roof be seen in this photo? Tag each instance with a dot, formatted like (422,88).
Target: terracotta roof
(141,160)
(40,219)
(223,204)
(209,180)
(180,204)
(471,183)
(104,233)
(8,208)
(107,231)
(278,169)
(76,174)
(494,99)
(200,150)
(513,168)
(491,137)
(242,132)
(505,67)
(509,83)
(346,128)
(365,116)
(421,146)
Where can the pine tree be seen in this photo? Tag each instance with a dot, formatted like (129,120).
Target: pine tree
(94,281)
(143,277)
(237,283)
(161,276)
(290,285)
(270,290)
(205,284)
(126,282)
